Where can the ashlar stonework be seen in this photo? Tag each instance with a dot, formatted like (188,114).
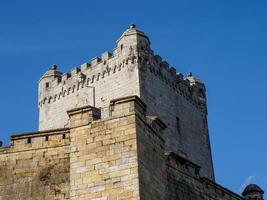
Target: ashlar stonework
(125,126)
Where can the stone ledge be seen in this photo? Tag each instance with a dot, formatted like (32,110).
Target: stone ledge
(137,105)
(156,123)
(39,133)
(223,189)
(83,116)
(181,163)
(81,110)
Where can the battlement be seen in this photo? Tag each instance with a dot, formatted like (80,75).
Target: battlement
(80,78)
(56,85)
(189,87)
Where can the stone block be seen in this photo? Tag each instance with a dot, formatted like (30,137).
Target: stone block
(105,56)
(127,105)
(95,61)
(83,116)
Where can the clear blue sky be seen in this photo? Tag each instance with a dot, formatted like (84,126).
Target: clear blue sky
(222,42)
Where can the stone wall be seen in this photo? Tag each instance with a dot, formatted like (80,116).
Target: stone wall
(179,107)
(151,161)
(185,182)
(94,85)
(122,156)
(103,161)
(34,168)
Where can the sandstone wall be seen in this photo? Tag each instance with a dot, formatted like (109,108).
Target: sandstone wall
(151,161)
(103,161)
(36,169)
(119,157)
(185,182)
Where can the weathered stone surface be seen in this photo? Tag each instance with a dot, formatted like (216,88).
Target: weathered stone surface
(120,157)
(31,171)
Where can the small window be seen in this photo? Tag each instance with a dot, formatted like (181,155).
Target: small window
(46,138)
(47,85)
(64,136)
(29,140)
(178,125)
(121,46)
(196,172)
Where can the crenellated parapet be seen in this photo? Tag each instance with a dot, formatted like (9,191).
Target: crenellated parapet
(55,85)
(188,87)
(64,84)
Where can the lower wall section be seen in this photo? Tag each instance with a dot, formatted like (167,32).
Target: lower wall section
(35,174)
(103,164)
(151,160)
(119,158)
(184,182)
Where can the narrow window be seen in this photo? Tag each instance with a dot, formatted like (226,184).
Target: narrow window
(46,138)
(178,126)
(47,85)
(29,140)
(64,136)
(196,172)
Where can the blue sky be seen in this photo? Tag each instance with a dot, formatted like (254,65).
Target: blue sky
(222,42)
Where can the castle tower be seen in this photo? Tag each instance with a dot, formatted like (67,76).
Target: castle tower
(134,70)
(253,192)
(125,127)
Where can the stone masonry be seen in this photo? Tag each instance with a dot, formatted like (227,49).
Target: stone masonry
(125,127)
(133,69)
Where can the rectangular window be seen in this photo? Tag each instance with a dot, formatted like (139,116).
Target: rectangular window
(47,85)
(46,138)
(178,125)
(29,140)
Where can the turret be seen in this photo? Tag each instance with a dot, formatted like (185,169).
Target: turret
(133,41)
(253,192)
(198,91)
(50,79)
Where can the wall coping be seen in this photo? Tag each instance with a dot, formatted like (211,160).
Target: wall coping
(40,133)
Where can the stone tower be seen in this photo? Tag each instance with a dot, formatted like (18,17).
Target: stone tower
(133,69)
(124,127)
